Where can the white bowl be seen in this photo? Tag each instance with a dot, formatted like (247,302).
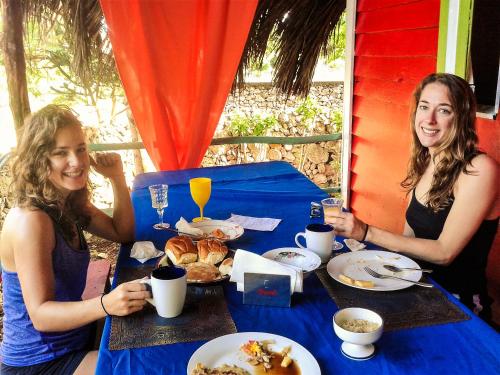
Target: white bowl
(358,345)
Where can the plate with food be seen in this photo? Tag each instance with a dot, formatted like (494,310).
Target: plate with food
(207,261)
(219,229)
(248,353)
(348,269)
(304,259)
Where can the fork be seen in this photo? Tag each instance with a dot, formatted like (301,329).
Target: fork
(380,276)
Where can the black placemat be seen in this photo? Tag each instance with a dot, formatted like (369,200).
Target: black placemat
(406,308)
(204,317)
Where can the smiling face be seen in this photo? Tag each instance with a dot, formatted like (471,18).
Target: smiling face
(434,116)
(69,160)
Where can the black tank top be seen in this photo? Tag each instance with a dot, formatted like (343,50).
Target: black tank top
(466,275)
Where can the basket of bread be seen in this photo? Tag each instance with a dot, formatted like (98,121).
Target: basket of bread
(207,261)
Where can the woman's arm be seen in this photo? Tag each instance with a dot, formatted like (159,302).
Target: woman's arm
(119,228)
(33,242)
(475,196)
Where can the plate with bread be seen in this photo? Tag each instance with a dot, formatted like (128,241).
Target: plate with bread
(348,269)
(219,229)
(207,261)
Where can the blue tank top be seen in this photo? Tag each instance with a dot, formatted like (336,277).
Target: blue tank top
(22,344)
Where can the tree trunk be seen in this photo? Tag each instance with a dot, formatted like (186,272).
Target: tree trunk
(138,164)
(15,65)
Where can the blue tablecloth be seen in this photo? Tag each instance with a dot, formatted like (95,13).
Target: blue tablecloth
(278,190)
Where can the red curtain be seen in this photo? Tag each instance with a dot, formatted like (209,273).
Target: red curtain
(177,60)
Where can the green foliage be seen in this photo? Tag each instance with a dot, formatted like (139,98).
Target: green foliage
(257,125)
(336,119)
(336,44)
(309,109)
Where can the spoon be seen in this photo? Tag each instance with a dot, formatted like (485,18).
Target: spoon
(401,269)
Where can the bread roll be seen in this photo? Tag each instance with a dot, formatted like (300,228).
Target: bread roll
(211,251)
(201,272)
(181,250)
(226,267)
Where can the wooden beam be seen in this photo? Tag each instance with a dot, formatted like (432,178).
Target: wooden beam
(228,141)
(15,65)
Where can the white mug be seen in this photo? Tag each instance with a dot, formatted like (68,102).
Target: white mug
(169,286)
(319,239)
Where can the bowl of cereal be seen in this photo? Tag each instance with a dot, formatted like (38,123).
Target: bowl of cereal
(358,328)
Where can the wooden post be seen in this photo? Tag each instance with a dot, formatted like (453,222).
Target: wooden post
(15,65)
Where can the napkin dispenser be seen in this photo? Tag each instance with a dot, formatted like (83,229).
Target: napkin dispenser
(246,262)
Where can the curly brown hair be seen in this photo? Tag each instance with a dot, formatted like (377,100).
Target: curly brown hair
(455,153)
(31,186)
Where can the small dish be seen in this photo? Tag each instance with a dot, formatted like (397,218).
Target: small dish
(304,259)
(232,230)
(358,345)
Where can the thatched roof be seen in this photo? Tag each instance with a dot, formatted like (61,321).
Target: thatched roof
(299,31)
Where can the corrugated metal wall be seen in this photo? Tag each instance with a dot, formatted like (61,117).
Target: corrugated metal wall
(396,46)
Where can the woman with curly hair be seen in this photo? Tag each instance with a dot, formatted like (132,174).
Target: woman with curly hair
(47,326)
(452,217)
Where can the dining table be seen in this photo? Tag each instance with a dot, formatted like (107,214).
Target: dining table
(278,190)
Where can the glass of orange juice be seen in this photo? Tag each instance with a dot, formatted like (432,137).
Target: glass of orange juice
(332,207)
(201,188)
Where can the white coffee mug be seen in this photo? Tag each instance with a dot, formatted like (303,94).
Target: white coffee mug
(319,239)
(169,286)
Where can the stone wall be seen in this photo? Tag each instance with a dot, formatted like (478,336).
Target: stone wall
(320,162)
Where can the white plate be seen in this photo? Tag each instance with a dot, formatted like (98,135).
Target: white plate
(351,265)
(233,230)
(226,350)
(306,260)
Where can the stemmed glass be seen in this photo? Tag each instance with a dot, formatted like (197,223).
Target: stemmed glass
(159,200)
(332,207)
(201,188)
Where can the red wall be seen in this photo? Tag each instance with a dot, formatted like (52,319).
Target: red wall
(396,46)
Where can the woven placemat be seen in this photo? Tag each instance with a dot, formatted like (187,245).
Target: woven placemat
(204,317)
(406,308)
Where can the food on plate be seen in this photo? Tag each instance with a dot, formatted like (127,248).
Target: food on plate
(226,267)
(354,245)
(221,370)
(218,233)
(364,283)
(351,281)
(199,271)
(267,361)
(211,251)
(358,325)
(346,279)
(258,352)
(181,250)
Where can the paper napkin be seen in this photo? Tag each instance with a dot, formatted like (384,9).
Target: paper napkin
(255,223)
(144,250)
(245,261)
(183,226)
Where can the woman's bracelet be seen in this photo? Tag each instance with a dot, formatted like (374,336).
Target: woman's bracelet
(102,304)
(366,232)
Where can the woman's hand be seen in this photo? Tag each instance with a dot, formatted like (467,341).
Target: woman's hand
(347,225)
(126,298)
(108,164)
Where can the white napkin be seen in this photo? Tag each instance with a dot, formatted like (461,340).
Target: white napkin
(255,223)
(354,245)
(183,226)
(144,250)
(245,261)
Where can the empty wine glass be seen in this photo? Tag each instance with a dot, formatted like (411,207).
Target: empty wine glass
(201,188)
(159,200)
(331,208)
